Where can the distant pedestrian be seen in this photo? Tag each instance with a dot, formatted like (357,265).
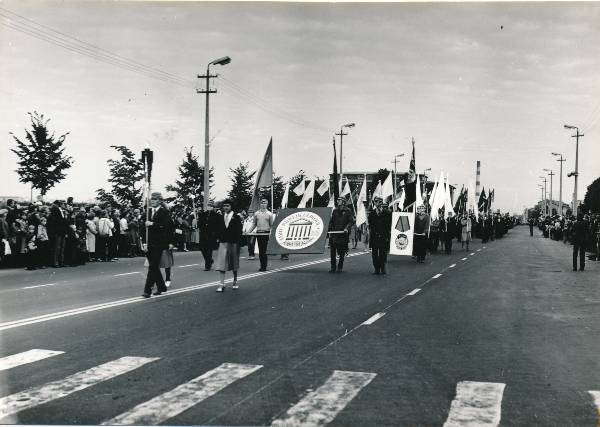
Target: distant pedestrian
(262,221)
(209,222)
(465,227)
(339,226)
(580,233)
(420,234)
(160,237)
(380,230)
(531,222)
(229,235)
(57,231)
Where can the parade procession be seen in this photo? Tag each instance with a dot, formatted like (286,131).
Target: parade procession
(300,214)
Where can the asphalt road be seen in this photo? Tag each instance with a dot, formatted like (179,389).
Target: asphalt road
(503,334)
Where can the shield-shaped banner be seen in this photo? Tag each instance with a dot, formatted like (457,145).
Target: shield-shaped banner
(403,224)
(299,231)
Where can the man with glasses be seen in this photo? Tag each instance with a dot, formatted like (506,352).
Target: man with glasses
(160,235)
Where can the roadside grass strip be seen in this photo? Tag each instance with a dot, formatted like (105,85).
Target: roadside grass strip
(185,396)
(476,404)
(26,357)
(321,406)
(36,396)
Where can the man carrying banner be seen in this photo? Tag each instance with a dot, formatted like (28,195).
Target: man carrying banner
(339,234)
(380,230)
(262,223)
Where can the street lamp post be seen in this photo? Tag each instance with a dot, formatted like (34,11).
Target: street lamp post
(551,199)
(576,136)
(545,198)
(542,189)
(221,61)
(341,135)
(561,160)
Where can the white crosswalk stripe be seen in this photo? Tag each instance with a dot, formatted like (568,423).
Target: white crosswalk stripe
(476,404)
(321,406)
(32,397)
(183,397)
(26,357)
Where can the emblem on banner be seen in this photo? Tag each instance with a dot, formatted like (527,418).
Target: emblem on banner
(299,230)
(401,241)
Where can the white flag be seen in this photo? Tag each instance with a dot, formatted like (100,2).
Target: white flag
(323,187)
(387,189)
(346,189)
(448,199)
(377,191)
(286,194)
(300,188)
(308,194)
(361,210)
(418,197)
(471,202)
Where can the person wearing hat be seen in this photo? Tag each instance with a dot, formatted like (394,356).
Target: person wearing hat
(229,235)
(420,235)
(380,232)
(339,236)
(160,236)
(208,223)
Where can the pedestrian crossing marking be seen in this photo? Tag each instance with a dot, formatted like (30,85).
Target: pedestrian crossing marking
(472,253)
(373,318)
(321,406)
(26,357)
(183,397)
(477,404)
(478,250)
(35,396)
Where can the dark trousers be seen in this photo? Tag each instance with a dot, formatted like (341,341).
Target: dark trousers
(448,244)
(113,246)
(578,248)
(420,247)
(379,256)
(341,253)
(263,241)
(102,247)
(207,253)
(531,229)
(58,249)
(251,242)
(44,252)
(33,259)
(154,275)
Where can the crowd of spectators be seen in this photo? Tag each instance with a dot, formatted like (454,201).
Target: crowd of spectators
(561,227)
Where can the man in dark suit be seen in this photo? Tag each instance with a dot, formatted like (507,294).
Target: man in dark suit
(340,225)
(380,231)
(57,231)
(208,224)
(580,233)
(160,235)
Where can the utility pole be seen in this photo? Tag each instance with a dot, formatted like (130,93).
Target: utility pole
(551,199)
(221,61)
(207,91)
(576,173)
(561,160)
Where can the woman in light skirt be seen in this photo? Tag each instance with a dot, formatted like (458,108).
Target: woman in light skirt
(229,236)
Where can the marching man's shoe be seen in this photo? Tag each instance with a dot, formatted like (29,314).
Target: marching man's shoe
(145,295)
(221,288)
(168,283)
(235,286)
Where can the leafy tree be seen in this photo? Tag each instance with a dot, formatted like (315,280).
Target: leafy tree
(126,176)
(592,197)
(242,186)
(42,160)
(191,181)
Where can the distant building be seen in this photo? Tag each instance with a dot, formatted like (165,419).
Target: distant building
(553,207)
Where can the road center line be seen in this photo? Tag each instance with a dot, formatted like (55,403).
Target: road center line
(373,319)
(437,275)
(452,266)
(133,300)
(414,291)
(126,274)
(463,259)
(189,265)
(478,250)
(472,253)
(39,286)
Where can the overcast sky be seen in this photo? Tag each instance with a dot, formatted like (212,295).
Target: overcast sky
(474,81)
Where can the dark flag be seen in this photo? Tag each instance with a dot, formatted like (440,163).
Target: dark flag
(490,200)
(336,185)
(264,178)
(482,203)
(458,204)
(411,181)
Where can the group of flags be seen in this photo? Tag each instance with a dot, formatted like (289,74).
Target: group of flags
(409,196)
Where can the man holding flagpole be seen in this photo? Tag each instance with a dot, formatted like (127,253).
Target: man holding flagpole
(339,234)
(380,231)
(262,223)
